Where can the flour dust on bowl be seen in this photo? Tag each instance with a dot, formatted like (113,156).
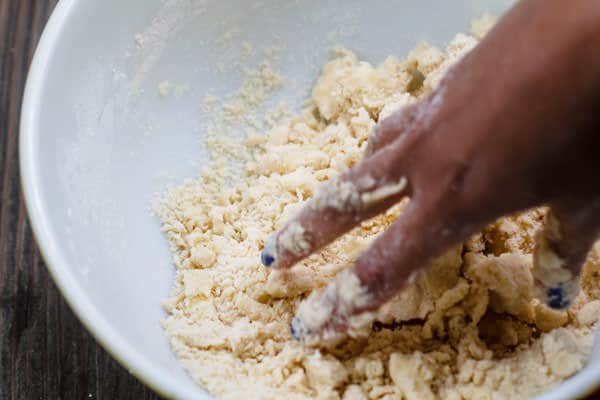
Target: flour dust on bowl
(126,98)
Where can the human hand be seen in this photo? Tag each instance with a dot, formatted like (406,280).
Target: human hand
(513,125)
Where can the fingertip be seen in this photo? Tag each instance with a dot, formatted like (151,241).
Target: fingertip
(267,256)
(562,295)
(556,298)
(267,259)
(294,331)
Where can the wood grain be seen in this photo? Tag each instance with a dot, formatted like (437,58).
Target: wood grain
(45,353)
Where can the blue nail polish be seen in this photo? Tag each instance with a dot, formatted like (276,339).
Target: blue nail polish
(556,298)
(297,329)
(266,258)
(268,254)
(293,330)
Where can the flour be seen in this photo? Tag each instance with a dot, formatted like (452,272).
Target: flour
(383,192)
(151,43)
(314,320)
(233,119)
(468,327)
(295,241)
(345,196)
(340,195)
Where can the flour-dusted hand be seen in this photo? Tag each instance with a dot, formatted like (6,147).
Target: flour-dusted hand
(513,125)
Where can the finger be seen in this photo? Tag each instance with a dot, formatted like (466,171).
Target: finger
(390,128)
(374,185)
(365,191)
(570,229)
(411,118)
(392,263)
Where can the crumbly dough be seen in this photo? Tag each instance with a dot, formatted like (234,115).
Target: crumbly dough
(468,328)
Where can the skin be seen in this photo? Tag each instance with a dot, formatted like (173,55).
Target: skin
(513,125)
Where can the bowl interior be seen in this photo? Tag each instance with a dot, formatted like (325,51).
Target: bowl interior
(99,142)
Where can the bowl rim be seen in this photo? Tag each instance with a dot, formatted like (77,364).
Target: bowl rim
(105,334)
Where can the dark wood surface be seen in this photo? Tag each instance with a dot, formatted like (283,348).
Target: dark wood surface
(45,352)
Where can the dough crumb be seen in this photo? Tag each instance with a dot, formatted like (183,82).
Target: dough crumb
(165,88)
(467,328)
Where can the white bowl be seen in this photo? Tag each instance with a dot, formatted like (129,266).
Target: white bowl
(97,141)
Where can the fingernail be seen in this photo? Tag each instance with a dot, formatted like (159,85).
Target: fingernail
(562,295)
(293,329)
(556,298)
(267,257)
(298,329)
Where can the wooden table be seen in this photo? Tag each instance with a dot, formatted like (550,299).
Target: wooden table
(45,352)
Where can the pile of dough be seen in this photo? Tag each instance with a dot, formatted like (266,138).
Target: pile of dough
(467,329)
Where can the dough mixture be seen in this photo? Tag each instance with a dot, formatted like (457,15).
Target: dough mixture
(468,328)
